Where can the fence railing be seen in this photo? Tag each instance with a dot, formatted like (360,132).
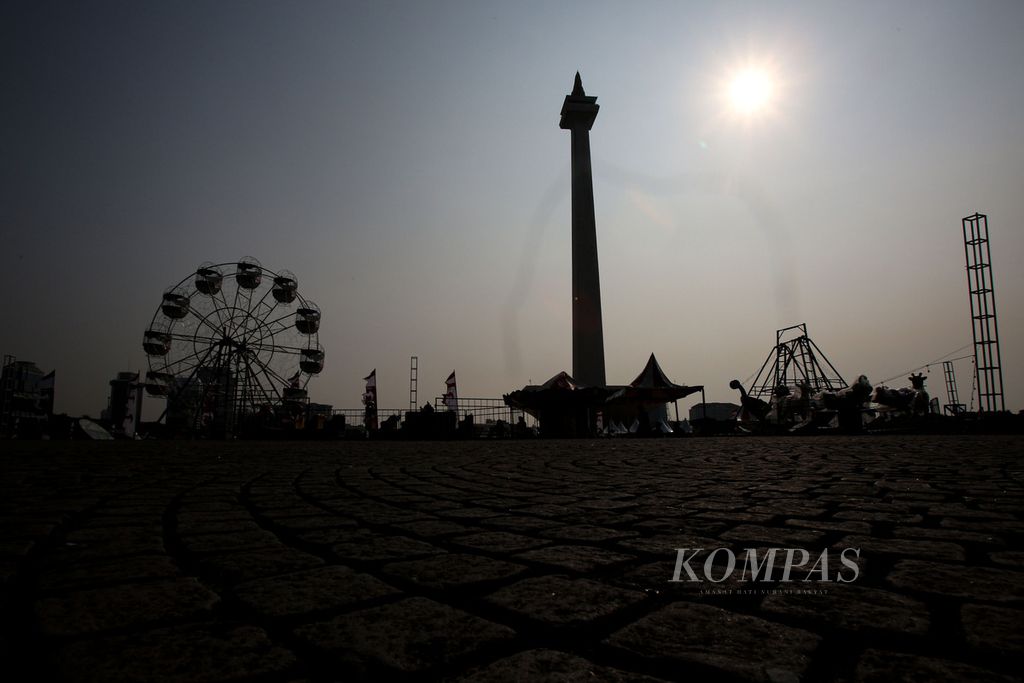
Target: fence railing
(485,409)
(356,416)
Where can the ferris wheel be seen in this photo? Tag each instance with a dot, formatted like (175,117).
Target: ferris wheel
(232,342)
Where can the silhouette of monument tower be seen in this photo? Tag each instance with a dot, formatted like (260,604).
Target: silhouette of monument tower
(578,114)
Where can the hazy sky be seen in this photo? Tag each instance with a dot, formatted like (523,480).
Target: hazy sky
(404,160)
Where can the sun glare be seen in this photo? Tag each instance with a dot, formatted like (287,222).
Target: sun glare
(751,91)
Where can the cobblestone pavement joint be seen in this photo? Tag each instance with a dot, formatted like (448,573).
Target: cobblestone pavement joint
(492,560)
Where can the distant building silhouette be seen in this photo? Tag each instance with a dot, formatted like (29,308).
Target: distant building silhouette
(124,404)
(26,399)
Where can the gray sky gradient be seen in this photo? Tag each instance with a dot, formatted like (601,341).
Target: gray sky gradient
(404,160)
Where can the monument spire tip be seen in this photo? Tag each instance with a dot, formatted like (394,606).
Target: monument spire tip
(577,88)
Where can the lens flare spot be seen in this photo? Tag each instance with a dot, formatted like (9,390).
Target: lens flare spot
(751,91)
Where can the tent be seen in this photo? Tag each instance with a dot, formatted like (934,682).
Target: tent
(565,407)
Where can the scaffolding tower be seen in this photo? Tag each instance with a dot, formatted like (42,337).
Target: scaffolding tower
(414,371)
(796,360)
(984,326)
(953,404)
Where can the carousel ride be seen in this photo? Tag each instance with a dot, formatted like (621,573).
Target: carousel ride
(798,390)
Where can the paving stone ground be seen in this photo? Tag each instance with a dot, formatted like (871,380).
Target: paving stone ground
(512,561)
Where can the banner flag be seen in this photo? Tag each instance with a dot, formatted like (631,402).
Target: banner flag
(451,393)
(370,401)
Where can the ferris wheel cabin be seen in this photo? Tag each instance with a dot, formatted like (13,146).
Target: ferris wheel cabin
(159,383)
(286,288)
(311,361)
(248,274)
(307,320)
(174,305)
(156,343)
(208,280)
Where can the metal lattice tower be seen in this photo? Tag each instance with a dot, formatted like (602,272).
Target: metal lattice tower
(987,362)
(794,361)
(414,371)
(953,404)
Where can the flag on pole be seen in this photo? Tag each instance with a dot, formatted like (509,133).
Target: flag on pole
(370,394)
(451,393)
(370,401)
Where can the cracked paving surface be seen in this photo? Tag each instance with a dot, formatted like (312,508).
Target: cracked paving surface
(495,561)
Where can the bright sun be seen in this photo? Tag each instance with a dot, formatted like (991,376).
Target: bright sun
(751,91)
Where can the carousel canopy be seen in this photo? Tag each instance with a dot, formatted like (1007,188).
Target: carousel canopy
(560,390)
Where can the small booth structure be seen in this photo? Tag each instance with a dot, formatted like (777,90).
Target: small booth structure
(566,408)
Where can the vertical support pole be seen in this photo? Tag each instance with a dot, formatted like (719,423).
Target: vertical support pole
(414,362)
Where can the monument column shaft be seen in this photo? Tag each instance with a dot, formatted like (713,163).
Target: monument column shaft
(587,329)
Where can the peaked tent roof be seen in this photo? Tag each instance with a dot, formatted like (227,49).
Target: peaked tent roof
(652,376)
(562,380)
(652,384)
